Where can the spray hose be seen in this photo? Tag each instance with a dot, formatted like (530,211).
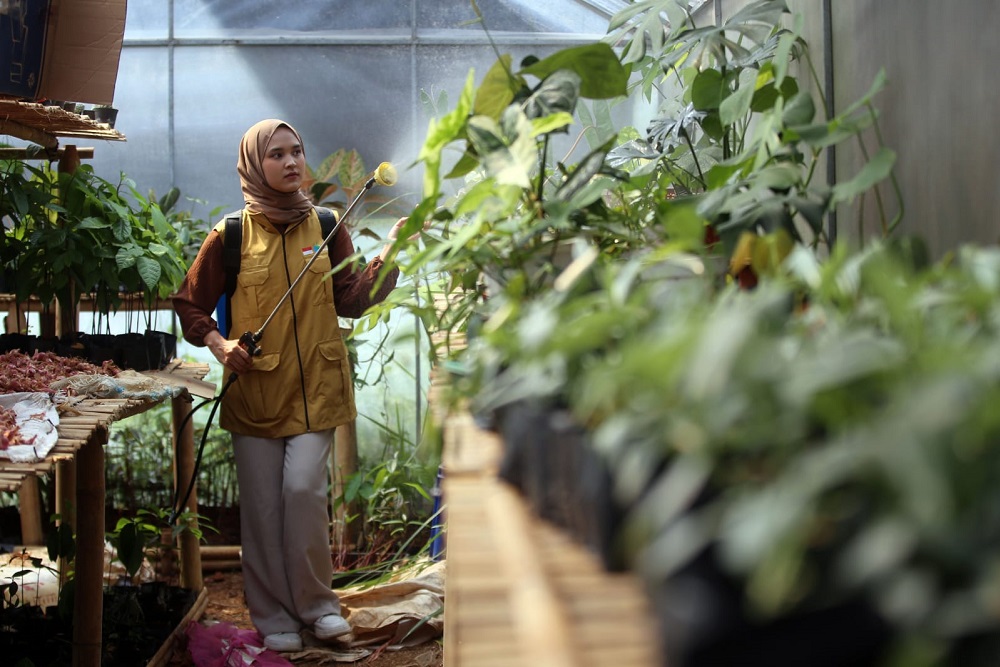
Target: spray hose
(384,175)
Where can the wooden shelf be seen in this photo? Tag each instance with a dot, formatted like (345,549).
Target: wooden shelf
(44,125)
(78,462)
(519,591)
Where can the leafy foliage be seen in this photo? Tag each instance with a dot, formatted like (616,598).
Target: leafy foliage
(78,233)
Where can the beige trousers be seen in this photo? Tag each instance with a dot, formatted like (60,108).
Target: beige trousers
(285,530)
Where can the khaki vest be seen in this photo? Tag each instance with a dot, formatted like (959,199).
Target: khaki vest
(301,382)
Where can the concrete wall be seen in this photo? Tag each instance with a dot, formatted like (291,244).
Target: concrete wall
(938,111)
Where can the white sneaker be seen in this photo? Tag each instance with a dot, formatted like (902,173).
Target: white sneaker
(283,642)
(330,626)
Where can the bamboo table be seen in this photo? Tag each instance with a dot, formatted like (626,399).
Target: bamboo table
(78,461)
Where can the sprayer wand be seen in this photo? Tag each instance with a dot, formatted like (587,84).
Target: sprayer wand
(384,175)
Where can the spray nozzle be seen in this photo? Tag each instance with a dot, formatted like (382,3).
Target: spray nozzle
(386,174)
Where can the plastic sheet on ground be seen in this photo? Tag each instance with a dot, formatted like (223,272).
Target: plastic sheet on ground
(225,645)
(127,384)
(406,611)
(37,420)
(400,613)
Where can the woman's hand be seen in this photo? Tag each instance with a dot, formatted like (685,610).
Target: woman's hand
(394,234)
(228,353)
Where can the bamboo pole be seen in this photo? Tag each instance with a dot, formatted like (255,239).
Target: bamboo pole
(67,322)
(29,500)
(89,603)
(37,153)
(345,464)
(184,471)
(27,133)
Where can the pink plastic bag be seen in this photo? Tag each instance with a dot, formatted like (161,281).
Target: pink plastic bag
(225,645)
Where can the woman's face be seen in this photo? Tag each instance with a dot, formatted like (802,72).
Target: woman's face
(284,161)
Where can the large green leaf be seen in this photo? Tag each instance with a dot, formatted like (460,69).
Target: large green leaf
(602,75)
(130,551)
(557,121)
(877,169)
(708,89)
(150,271)
(558,93)
(497,89)
(507,151)
(585,170)
(736,106)
(800,109)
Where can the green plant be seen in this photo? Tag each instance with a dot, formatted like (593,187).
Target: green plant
(79,233)
(137,448)
(150,534)
(389,498)
(336,182)
(508,228)
(738,132)
(190,230)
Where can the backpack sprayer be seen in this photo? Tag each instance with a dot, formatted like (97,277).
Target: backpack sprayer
(384,175)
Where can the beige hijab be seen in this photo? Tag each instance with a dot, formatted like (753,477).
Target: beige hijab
(280,208)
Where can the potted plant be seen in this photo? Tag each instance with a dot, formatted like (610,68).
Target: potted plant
(99,238)
(106,113)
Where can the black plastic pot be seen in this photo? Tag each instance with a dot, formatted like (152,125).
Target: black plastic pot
(103,348)
(162,348)
(16,342)
(549,458)
(106,115)
(73,345)
(43,344)
(134,351)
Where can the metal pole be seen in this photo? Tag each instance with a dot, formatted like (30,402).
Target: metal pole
(831,151)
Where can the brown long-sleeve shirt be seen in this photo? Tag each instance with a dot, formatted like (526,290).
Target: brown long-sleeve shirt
(205,282)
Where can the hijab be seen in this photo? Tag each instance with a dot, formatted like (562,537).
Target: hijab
(280,207)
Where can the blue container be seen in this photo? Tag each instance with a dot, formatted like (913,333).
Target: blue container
(437,522)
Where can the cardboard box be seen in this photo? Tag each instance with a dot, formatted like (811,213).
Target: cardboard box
(79,42)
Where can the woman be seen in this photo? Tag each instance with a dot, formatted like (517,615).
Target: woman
(287,401)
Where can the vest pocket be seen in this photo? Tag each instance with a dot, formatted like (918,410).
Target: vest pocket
(262,398)
(253,283)
(335,382)
(320,270)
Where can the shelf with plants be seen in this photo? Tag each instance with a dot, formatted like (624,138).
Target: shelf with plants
(706,392)
(76,240)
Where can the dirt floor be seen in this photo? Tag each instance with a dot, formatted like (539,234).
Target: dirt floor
(225,604)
